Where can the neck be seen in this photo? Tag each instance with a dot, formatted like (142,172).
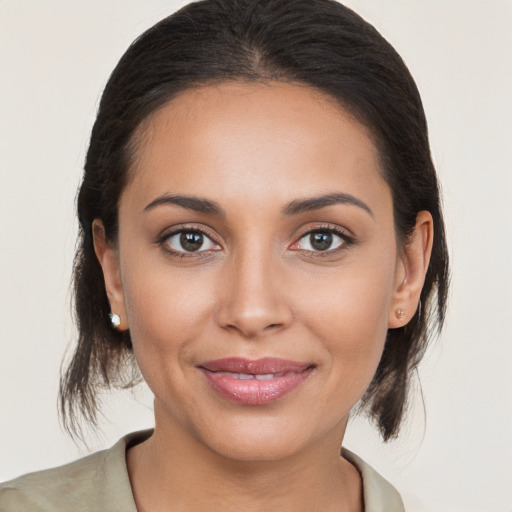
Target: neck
(174,471)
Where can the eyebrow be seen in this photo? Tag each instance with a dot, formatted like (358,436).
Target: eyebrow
(316,203)
(297,206)
(196,204)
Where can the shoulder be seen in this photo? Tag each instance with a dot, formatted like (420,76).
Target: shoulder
(379,494)
(97,482)
(62,486)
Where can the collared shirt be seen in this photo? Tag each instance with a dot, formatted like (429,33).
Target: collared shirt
(100,482)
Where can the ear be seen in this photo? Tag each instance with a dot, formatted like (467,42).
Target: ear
(108,257)
(412,266)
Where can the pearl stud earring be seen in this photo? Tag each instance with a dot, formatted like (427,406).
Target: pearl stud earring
(115,319)
(400,314)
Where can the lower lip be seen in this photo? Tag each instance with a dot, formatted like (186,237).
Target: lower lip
(254,391)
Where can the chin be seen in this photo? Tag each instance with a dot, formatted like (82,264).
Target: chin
(263,438)
(260,447)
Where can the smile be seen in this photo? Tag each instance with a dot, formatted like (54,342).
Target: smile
(247,376)
(255,382)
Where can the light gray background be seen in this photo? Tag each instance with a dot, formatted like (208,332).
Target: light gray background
(55,56)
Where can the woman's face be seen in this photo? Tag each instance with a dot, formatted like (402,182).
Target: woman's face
(257,267)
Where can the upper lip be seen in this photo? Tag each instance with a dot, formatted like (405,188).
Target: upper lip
(262,366)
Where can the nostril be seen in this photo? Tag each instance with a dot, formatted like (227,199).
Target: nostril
(253,314)
(253,328)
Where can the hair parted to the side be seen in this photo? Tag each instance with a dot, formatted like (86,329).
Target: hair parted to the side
(316,43)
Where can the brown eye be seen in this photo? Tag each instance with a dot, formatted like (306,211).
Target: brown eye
(321,241)
(190,241)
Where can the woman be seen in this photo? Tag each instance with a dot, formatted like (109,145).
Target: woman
(261,235)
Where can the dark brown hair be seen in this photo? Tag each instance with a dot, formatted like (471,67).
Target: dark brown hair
(317,43)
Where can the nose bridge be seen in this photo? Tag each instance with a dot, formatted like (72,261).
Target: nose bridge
(253,301)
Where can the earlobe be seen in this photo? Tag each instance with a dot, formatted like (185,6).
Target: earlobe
(109,260)
(411,271)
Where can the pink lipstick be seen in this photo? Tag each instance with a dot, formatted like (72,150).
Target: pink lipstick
(255,382)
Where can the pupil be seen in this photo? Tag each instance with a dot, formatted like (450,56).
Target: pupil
(321,241)
(191,241)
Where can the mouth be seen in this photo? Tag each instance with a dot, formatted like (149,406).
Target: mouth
(255,382)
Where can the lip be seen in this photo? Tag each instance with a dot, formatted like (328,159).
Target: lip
(255,382)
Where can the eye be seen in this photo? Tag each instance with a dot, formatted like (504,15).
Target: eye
(322,240)
(189,241)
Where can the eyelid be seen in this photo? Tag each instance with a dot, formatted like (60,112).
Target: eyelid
(170,232)
(343,233)
(347,238)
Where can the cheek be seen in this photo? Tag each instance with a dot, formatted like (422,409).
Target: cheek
(354,333)
(167,309)
(350,321)
(167,312)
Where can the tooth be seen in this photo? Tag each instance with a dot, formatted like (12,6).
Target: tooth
(245,376)
(266,376)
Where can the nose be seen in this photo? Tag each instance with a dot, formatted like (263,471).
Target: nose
(252,297)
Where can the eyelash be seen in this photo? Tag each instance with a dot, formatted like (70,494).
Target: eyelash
(347,241)
(184,254)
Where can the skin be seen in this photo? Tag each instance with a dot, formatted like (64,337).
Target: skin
(258,289)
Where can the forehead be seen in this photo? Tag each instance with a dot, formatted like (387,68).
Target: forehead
(250,140)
